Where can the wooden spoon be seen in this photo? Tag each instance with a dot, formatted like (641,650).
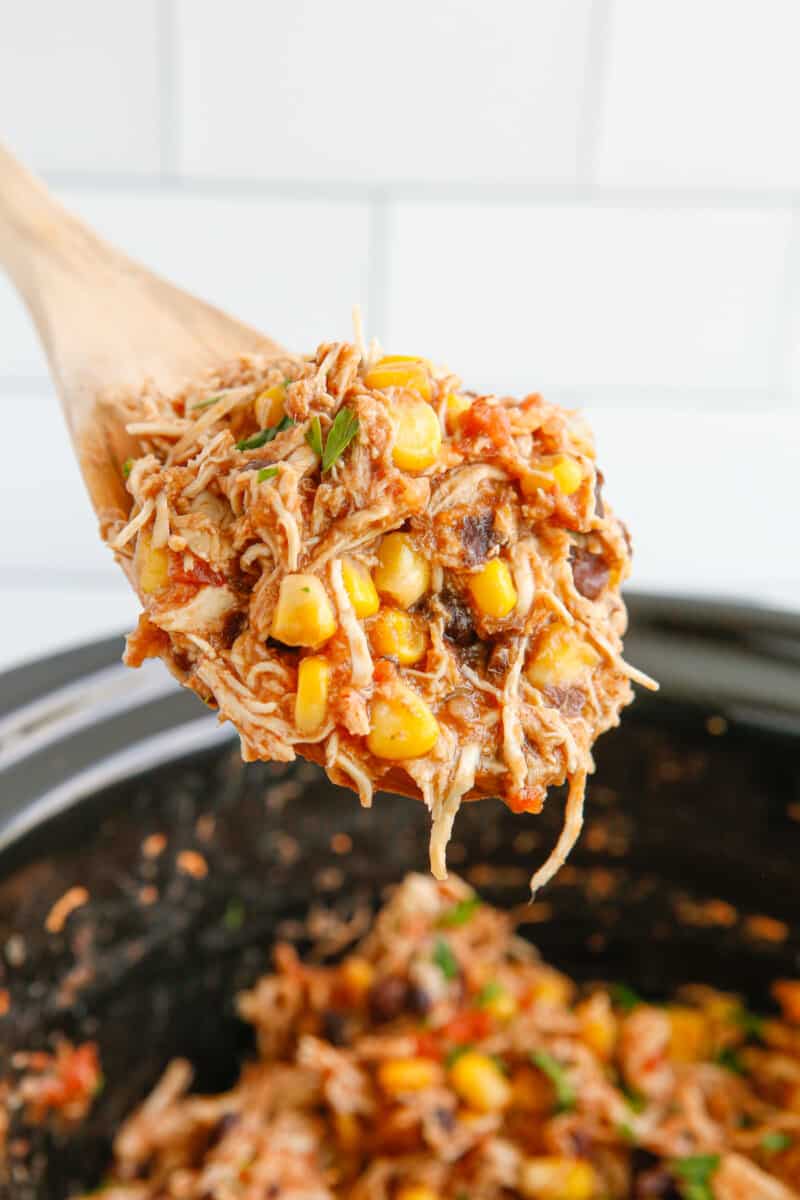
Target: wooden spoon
(109,328)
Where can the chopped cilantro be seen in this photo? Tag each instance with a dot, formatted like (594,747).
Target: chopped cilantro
(625,997)
(636,1103)
(127,467)
(775,1141)
(267,473)
(340,435)
(201,404)
(314,436)
(460,913)
(266,435)
(233,917)
(549,1066)
(728,1058)
(445,959)
(694,1175)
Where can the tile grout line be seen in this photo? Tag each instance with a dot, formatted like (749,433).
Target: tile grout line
(594,87)
(780,390)
(167,52)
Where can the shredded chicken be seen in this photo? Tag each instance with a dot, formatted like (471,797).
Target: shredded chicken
(500,631)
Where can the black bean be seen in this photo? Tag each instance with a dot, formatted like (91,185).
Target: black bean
(387,998)
(418,1000)
(589,571)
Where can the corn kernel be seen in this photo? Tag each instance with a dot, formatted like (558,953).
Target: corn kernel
(311,701)
(551,988)
(416,1191)
(566,473)
(598,1025)
(357,975)
(348,1130)
(492,589)
(787,993)
(401,372)
(455,405)
(478,1081)
(561,657)
(268,405)
(398,1075)
(501,1005)
(360,588)
(688,1040)
(402,573)
(396,634)
(152,564)
(402,726)
(417,434)
(551,1177)
(304,615)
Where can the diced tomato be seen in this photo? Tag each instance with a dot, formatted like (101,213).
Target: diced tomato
(526,800)
(469,1026)
(429,1045)
(198,573)
(486,420)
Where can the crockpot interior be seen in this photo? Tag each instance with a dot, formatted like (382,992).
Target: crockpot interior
(683,810)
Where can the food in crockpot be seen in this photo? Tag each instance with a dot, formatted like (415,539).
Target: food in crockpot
(442,1059)
(355,559)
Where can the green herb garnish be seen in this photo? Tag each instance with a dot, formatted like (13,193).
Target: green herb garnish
(266,435)
(314,436)
(489,992)
(445,959)
(340,435)
(636,1102)
(233,917)
(729,1058)
(751,1023)
(267,473)
(127,467)
(456,1052)
(626,1133)
(549,1066)
(694,1175)
(201,404)
(776,1141)
(460,913)
(625,997)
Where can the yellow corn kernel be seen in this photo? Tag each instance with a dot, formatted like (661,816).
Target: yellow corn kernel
(562,656)
(455,405)
(311,701)
(551,988)
(402,725)
(688,1033)
(152,564)
(416,1191)
(551,1177)
(268,405)
(357,976)
(396,634)
(478,1081)
(566,473)
(501,1005)
(492,589)
(598,1026)
(304,615)
(360,588)
(399,371)
(787,993)
(402,573)
(348,1130)
(417,434)
(398,1075)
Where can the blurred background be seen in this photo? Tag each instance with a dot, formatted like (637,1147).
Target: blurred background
(597,199)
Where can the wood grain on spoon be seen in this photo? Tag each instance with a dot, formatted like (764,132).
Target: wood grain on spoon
(109,327)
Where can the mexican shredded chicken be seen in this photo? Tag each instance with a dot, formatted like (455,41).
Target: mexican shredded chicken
(355,559)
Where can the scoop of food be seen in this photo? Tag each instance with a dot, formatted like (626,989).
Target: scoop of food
(356,560)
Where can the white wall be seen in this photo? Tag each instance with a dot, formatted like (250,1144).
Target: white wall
(595,198)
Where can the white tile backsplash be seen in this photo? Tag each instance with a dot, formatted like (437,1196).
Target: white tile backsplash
(79,84)
(456,90)
(531,297)
(702,93)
